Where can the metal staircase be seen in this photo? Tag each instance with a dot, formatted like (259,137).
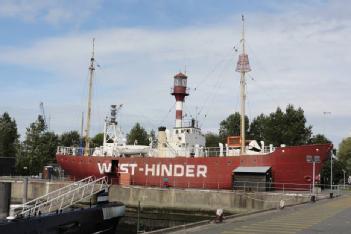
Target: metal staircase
(64,197)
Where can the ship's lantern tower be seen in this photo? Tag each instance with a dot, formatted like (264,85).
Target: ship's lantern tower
(179,91)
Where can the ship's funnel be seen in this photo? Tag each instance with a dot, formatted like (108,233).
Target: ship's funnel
(161,138)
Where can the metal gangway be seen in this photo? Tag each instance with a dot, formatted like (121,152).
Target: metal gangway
(64,197)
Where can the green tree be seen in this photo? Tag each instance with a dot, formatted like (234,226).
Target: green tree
(319,139)
(231,126)
(287,127)
(97,140)
(38,149)
(258,128)
(138,135)
(212,139)
(338,174)
(344,152)
(68,139)
(8,136)
(152,134)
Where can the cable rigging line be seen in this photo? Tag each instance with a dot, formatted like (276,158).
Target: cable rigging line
(211,97)
(165,117)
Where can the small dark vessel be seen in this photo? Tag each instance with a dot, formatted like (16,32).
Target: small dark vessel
(99,219)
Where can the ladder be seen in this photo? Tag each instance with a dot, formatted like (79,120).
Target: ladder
(64,197)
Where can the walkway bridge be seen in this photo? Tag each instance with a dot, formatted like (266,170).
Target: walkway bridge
(64,197)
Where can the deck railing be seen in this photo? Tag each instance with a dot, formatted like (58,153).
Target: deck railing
(202,152)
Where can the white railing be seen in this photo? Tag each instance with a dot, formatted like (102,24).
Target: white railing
(202,151)
(64,197)
(74,151)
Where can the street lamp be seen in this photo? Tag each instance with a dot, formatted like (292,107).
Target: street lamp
(344,176)
(331,172)
(325,113)
(313,159)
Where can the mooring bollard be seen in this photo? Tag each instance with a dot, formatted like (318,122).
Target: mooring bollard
(313,198)
(219,216)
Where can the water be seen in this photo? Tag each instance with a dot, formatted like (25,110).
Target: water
(154,219)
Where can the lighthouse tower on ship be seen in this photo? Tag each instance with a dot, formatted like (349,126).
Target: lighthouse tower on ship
(179,91)
(185,139)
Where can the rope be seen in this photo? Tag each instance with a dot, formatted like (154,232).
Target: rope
(169,111)
(210,98)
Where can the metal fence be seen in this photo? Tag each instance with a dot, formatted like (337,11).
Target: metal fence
(246,186)
(202,151)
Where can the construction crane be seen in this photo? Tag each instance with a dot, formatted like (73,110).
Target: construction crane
(42,113)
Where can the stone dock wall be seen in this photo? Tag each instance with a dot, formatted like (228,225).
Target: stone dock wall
(193,199)
(169,198)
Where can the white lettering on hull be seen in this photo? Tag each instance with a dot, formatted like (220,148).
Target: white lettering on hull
(176,170)
(104,167)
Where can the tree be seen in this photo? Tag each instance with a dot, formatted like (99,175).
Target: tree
(212,139)
(152,136)
(38,149)
(319,139)
(137,135)
(280,127)
(8,136)
(71,138)
(338,174)
(258,128)
(98,140)
(344,153)
(231,126)
(297,133)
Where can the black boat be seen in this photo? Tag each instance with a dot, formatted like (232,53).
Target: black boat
(99,219)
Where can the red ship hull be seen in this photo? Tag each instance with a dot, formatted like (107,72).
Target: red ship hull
(288,165)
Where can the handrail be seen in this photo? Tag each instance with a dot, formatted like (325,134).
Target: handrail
(64,195)
(204,151)
(58,190)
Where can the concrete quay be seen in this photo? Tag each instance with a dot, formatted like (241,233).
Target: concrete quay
(170,198)
(324,216)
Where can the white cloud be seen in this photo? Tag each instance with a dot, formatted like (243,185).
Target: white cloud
(49,11)
(299,57)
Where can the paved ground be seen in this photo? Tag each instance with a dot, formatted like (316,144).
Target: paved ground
(325,216)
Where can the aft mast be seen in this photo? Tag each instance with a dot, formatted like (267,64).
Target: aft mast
(243,66)
(91,75)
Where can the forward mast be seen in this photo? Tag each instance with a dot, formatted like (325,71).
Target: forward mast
(243,66)
(91,76)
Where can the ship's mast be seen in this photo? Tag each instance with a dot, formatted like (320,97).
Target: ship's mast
(91,76)
(242,67)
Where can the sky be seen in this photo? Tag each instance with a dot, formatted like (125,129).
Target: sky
(299,53)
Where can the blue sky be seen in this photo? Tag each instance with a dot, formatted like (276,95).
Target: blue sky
(299,53)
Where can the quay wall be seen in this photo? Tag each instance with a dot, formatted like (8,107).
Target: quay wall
(169,198)
(36,188)
(204,200)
